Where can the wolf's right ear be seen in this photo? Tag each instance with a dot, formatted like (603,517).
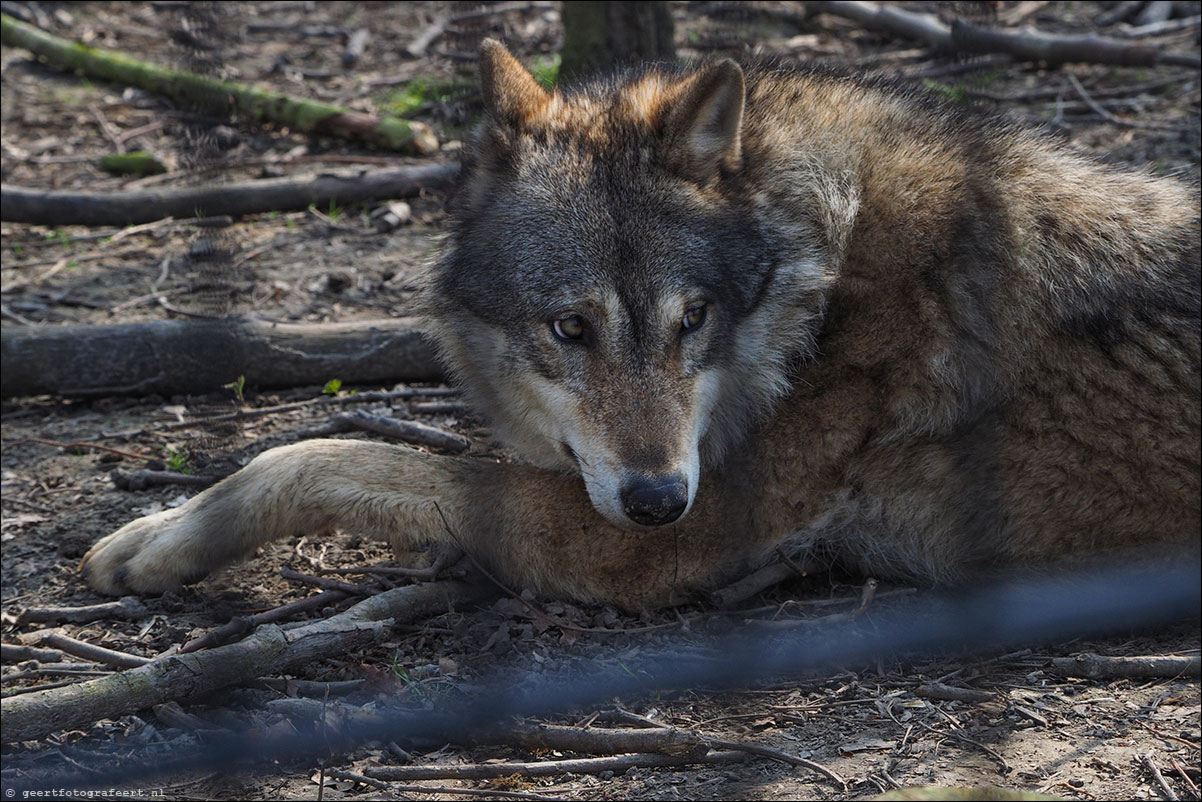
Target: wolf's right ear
(703,129)
(511,95)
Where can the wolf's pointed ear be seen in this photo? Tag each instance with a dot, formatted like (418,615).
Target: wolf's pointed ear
(703,127)
(511,94)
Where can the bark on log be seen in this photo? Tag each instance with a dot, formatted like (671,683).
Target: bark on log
(1096,666)
(194,356)
(221,97)
(269,650)
(60,208)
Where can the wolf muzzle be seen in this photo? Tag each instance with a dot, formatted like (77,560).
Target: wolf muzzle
(655,500)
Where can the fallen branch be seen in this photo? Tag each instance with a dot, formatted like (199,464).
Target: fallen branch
(13,653)
(1096,666)
(1033,45)
(1190,784)
(325,583)
(59,208)
(174,357)
(269,650)
(547,768)
(239,626)
(140,480)
(947,693)
(212,96)
(778,755)
(1150,764)
(1162,27)
(598,741)
(90,651)
(126,608)
(444,557)
(404,430)
(1027,44)
(1119,12)
(753,583)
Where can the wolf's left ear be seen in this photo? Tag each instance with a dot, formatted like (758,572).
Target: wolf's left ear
(703,128)
(511,94)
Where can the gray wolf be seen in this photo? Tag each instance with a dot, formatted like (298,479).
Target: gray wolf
(731,310)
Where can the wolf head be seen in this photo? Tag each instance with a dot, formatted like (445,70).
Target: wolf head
(619,296)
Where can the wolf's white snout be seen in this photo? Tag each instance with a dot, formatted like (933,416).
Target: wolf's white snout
(655,500)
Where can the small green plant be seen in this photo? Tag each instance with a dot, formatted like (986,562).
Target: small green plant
(332,387)
(334,210)
(18,249)
(417,94)
(57,236)
(176,460)
(238,385)
(956,94)
(545,70)
(289,223)
(408,99)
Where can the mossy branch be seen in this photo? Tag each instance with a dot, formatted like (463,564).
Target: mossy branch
(213,96)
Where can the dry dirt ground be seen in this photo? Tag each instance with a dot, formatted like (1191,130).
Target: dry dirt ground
(1075,738)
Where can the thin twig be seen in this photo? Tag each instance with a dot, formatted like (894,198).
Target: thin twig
(247,414)
(1154,770)
(380,785)
(87,445)
(328,584)
(1161,28)
(1190,784)
(236,627)
(784,757)
(405,430)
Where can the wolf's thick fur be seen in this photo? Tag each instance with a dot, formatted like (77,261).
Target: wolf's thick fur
(765,308)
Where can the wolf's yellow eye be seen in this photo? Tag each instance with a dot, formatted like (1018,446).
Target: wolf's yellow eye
(569,327)
(694,316)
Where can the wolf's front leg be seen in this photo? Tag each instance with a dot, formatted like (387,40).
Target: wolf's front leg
(374,489)
(534,528)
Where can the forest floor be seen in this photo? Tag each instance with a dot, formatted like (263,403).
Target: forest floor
(1034,730)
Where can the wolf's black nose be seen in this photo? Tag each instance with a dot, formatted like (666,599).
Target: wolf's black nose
(655,500)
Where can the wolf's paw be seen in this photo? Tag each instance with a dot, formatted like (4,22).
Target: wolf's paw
(149,555)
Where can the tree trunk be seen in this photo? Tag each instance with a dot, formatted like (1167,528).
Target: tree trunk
(599,36)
